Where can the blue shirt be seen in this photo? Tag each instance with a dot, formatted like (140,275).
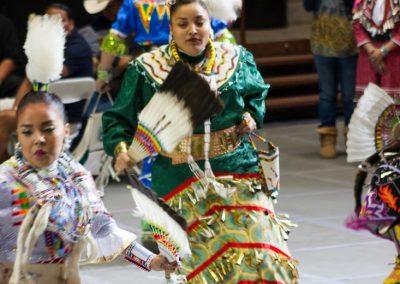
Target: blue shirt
(149,21)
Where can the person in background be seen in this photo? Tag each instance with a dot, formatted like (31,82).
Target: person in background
(148,22)
(335,56)
(377,31)
(78,63)
(11,59)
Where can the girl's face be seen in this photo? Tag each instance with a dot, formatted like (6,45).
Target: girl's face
(190,27)
(41,132)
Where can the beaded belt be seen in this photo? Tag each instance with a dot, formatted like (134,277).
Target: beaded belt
(221,142)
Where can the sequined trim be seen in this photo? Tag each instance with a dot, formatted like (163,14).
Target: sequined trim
(114,45)
(364,15)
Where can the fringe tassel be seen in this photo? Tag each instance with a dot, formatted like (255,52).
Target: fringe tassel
(32,227)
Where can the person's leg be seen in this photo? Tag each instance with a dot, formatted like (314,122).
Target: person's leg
(347,79)
(328,82)
(8,125)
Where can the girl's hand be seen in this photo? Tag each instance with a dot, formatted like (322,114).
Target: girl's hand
(160,263)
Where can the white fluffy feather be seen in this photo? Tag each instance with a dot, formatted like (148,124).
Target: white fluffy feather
(152,213)
(361,136)
(44,47)
(227,10)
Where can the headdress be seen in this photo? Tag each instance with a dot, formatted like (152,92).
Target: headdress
(374,124)
(44,47)
(226,10)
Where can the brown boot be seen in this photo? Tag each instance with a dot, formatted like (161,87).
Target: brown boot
(328,142)
(345,131)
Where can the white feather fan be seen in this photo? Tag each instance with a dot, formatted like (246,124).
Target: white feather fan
(44,47)
(226,10)
(184,101)
(367,123)
(169,229)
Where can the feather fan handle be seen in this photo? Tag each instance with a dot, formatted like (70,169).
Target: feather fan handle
(226,10)
(44,47)
(183,102)
(171,239)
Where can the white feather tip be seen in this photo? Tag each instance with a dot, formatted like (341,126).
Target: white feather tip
(226,10)
(44,47)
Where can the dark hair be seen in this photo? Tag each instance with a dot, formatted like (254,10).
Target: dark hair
(42,97)
(63,7)
(179,3)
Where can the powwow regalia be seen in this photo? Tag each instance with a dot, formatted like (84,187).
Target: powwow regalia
(374,140)
(50,215)
(216,186)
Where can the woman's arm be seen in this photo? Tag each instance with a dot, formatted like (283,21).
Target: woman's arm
(255,89)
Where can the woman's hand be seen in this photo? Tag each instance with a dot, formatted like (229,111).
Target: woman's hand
(376,59)
(122,163)
(248,124)
(102,86)
(160,263)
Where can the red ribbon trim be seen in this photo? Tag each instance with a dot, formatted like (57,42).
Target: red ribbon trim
(189,181)
(228,208)
(207,263)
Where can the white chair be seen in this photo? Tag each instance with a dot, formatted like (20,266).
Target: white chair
(73,90)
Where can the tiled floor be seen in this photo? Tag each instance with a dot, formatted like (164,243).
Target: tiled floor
(318,196)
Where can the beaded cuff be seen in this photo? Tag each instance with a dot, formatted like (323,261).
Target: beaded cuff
(113,45)
(139,255)
(122,147)
(104,75)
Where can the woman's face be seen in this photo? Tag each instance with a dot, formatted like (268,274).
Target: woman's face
(190,27)
(41,131)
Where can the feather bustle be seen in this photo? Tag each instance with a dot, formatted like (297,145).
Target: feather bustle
(227,10)
(361,136)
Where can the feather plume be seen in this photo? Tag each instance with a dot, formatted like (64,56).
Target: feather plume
(170,235)
(226,10)
(362,136)
(184,101)
(136,183)
(44,47)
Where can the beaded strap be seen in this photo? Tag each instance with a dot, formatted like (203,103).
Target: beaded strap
(114,45)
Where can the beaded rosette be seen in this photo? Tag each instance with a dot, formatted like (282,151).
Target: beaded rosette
(166,245)
(388,127)
(144,144)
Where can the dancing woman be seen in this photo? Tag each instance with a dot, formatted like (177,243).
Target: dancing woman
(211,178)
